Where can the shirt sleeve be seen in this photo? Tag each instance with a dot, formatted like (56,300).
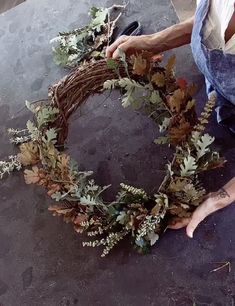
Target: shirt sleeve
(198,1)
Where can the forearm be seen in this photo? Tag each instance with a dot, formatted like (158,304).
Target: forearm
(225,195)
(172,37)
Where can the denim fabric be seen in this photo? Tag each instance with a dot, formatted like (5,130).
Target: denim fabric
(217,67)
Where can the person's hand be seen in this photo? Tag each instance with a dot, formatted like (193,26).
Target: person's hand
(130,45)
(213,202)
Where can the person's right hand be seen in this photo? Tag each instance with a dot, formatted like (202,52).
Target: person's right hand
(130,45)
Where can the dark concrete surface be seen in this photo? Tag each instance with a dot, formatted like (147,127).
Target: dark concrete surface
(41,258)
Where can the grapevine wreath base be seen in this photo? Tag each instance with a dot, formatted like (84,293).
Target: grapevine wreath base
(145,84)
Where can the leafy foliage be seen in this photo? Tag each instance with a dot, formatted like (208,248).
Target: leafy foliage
(189,166)
(86,43)
(6,167)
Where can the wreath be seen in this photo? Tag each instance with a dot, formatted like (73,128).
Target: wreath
(145,84)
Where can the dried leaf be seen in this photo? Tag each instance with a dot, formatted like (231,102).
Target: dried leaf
(140,66)
(63,161)
(32,176)
(189,166)
(60,210)
(98,18)
(176,100)
(164,125)
(159,79)
(57,196)
(177,185)
(64,166)
(33,130)
(51,135)
(170,66)
(155,97)
(29,154)
(202,145)
(182,83)
(179,211)
(53,188)
(192,193)
(191,90)
(110,84)
(179,133)
(80,219)
(161,140)
(46,115)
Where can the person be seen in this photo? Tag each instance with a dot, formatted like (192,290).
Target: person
(212,35)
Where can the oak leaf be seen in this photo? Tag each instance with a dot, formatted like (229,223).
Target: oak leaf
(80,218)
(159,79)
(180,132)
(63,160)
(176,100)
(60,210)
(189,166)
(170,66)
(178,210)
(140,66)
(28,154)
(32,176)
(177,185)
(53,188)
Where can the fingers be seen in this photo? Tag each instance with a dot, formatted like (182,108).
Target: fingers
(178,223)
(209,206)
(204,210)
(124,47)
(112,51)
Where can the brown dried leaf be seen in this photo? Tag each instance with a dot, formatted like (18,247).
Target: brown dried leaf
(53,188)
(80,218)
(156,210)
(32,176)
(159,79)
(219,163)
(177,185)
(191,90)
(140,66)
(170,66)
(28,154)
(63,161)
(179,133)
(176,100)
(179,211)
(60,210)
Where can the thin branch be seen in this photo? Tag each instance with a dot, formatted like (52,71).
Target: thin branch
(222,266)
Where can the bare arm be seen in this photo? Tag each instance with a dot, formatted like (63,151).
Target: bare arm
(172,37)
(215,201)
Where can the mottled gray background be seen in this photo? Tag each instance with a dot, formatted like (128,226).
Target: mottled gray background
(41,258)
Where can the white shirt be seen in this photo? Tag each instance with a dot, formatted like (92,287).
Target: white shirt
(216,24)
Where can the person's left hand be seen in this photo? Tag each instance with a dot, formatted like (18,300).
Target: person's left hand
(214,201)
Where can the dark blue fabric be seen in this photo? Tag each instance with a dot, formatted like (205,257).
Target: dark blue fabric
(218,68)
